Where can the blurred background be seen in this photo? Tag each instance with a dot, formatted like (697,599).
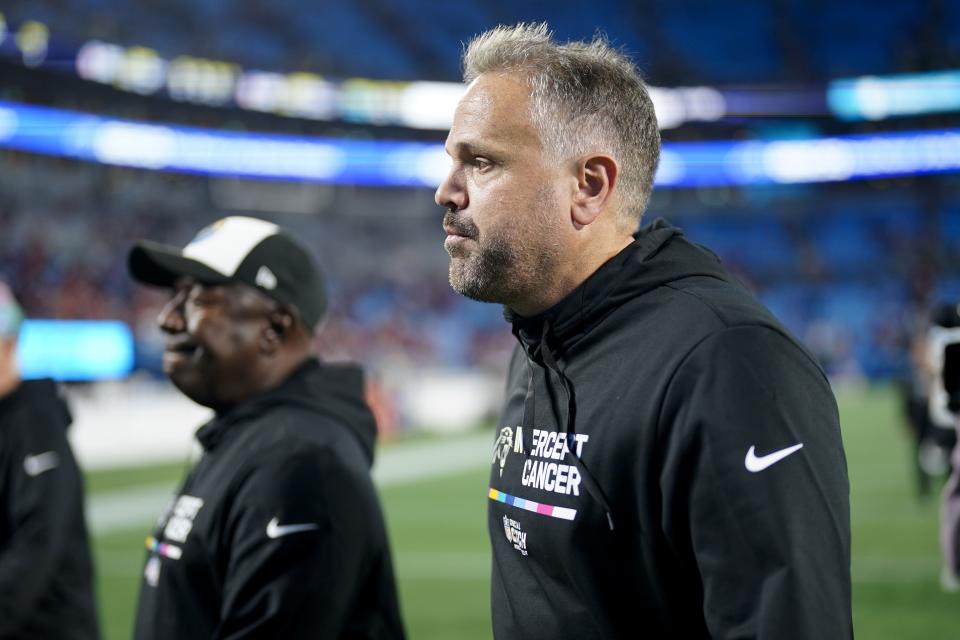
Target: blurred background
(814,145)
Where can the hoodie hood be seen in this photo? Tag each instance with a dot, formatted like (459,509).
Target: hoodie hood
(659,255)
(334,392)
(38,393)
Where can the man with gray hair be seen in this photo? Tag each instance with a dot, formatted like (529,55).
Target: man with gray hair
(46,576)
(668,461)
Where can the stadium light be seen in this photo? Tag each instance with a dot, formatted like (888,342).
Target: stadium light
(428,105)
(205,81)
(417,164)
(879,98)
(33,39)
(99,62)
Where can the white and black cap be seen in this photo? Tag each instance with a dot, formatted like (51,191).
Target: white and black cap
(239,249)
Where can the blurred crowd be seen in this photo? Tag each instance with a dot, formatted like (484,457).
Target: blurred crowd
(847,267)
(67,227)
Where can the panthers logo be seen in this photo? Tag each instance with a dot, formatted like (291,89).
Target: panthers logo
(501,448)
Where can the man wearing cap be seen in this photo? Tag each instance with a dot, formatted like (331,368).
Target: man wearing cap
(46,579)
(277,530)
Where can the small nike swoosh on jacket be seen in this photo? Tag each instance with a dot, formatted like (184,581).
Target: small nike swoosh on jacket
(40,463)
(276,530)
(756,463)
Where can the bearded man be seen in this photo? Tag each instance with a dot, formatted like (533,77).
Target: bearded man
(677,468)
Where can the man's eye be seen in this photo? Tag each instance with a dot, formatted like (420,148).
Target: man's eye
(482,164)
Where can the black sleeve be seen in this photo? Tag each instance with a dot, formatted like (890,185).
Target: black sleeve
(766,520)
(42,485)
(296,534)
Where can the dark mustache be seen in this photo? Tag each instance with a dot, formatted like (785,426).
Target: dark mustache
(462,226)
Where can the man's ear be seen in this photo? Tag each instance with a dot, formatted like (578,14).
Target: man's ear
(279,325)
(596,178)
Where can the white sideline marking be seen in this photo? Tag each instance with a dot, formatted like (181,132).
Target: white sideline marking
(113,510)
(128,508)
(410,463)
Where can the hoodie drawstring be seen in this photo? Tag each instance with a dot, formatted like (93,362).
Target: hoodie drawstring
(593,488)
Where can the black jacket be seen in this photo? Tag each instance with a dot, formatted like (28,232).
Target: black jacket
(646,480)
(46,579)
(277,531)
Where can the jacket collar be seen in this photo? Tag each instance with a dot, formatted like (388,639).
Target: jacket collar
(332,393)
(213,432)
(584,307)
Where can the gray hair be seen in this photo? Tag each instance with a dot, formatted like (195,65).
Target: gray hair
(584,97)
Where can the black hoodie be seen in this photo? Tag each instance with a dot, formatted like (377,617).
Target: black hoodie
(648,478)
(46,579)
(277,531)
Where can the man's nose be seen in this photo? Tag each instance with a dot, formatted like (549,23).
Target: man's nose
(451,194)
(171,318)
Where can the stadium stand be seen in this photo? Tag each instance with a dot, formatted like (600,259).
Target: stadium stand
(847,267)
(699,38)
(844,265)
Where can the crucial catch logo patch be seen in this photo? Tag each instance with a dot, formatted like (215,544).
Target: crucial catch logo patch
(515,535)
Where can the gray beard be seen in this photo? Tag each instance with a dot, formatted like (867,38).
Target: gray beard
(516,265)
(512,274)
(489,275)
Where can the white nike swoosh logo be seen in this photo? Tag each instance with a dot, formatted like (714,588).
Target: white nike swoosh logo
(40,463)
(755,464)
(275,530)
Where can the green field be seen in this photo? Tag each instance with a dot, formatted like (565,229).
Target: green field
(442,554)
